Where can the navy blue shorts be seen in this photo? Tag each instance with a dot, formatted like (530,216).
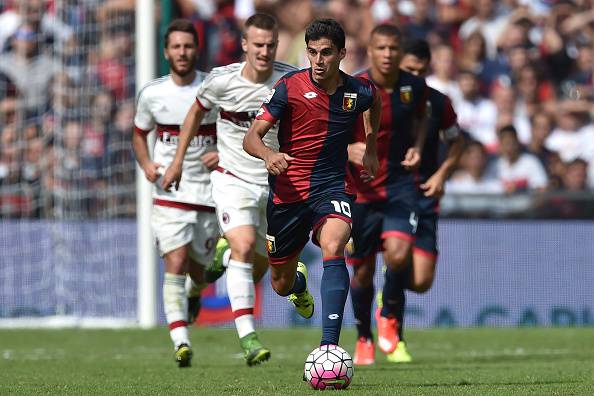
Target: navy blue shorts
(368,220)
(289,225)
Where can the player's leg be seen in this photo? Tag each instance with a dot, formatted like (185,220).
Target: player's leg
(173,229)
(288,231)
(237,212)
(361,254)
(398,237)
(424,255)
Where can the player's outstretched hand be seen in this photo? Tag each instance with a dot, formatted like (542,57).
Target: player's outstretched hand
(210,160)
(152,171)
(172,177)
(356,152)
(370,166)
(412,159)
(277,163)
(433,188)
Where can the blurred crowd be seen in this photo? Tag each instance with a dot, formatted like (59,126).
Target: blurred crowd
(519,73)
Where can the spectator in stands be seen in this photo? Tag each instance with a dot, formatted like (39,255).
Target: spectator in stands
(575,178)
(443,77)
(474,175)
(574,135)
(508,112)
(517,170)
(30,69)
(534,92)
(476,114)
(541,125)
(489,20)
(293,17)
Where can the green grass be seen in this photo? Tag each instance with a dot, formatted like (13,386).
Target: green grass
(447,362)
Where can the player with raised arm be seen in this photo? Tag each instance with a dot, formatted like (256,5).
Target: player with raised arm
(413,265)
(316,108)
(183,221)
(240,186)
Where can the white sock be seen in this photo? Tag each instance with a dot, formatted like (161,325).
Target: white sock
(175,302)
(241,292)
(226,258)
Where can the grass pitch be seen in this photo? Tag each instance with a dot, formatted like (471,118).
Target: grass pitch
(447,362)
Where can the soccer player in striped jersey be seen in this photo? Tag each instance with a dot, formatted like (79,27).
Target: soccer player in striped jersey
(184,220)
(240,187)
(411,258)
(317,108)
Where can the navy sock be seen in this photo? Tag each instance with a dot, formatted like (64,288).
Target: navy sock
(334,290)
(362,299)
(299,284)
(393,296)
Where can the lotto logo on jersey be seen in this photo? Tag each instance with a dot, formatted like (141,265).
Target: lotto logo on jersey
(349,101)
(406,95)
(270,244)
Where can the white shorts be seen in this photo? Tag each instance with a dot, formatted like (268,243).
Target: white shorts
(174,228)
(240,203)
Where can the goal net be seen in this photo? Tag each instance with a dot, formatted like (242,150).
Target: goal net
(67,172)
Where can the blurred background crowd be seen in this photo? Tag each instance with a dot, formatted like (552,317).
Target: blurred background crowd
(519,73)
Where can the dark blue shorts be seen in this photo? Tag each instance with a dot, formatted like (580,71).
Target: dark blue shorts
(289,225)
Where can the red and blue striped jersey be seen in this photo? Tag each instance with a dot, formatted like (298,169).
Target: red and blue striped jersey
(315,129)
(401,105)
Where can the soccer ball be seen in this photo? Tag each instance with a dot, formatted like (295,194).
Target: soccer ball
(329,367)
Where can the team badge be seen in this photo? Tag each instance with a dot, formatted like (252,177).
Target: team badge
(406,94)
(349,101)
(226,218)
(270,244)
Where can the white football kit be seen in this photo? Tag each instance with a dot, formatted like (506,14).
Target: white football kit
(240,184)
(185,215)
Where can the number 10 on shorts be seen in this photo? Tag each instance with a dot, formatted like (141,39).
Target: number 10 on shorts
(342,207)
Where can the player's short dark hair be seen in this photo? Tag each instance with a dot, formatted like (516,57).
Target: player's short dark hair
(181,25)
(418,48)
(386,29)
(326,28)
(261,21)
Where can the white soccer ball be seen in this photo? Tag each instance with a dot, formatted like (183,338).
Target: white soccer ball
(329,367)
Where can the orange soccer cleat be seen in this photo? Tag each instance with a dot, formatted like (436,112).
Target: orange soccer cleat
(364,352)
(387,335)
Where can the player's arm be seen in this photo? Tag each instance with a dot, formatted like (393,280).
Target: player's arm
(141,152)
(276,163)
(451,134)
(412,158)
(187,131)
(371,122)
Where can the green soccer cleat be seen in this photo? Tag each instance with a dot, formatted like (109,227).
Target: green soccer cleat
(304,301)
(216,269)
(183,355)
(254,352)
(194,306)
(400,354)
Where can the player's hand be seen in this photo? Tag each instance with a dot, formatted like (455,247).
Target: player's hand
(412,159)
(172,177)
(277,163)
(152,171)
(356,152)
(370,166)
(433,188)
(210,160)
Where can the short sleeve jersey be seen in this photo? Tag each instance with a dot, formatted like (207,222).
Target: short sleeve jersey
(238,100)
(315,129)
(400,107)
(162,105)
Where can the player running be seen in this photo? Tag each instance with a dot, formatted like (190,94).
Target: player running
(316,108)
(183,221)
(411,262)
(240,186)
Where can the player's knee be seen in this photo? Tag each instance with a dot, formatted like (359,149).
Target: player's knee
(243,250)
(396,258)
(363,276)
(423,285)
(332,247)
(281,285)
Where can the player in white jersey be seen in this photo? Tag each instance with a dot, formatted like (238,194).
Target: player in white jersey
(240,182)
(183,221)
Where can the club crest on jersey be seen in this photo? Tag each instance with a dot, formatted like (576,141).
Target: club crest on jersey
(349,101)
(270,244)
(406,95)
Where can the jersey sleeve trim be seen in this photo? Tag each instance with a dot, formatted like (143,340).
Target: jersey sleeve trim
(141,131)
(266,116)
(201,105)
